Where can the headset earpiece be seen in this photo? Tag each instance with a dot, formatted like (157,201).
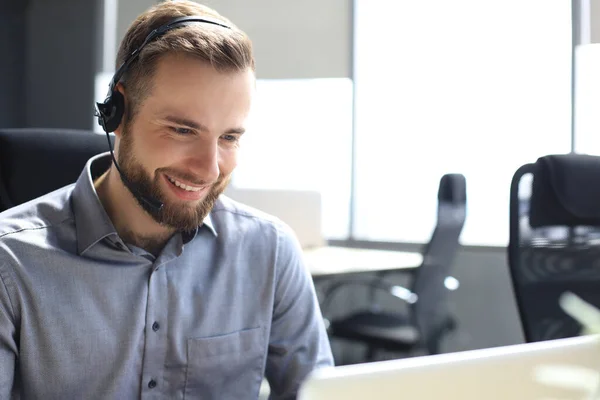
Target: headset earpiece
(110,113)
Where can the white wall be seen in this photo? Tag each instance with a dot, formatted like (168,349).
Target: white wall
(292,39)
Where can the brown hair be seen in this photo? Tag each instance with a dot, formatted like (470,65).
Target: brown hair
(225,49)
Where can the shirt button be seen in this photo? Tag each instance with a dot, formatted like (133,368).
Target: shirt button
(155,326)
(152,384)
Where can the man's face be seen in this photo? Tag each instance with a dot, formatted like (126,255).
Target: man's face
(181,146)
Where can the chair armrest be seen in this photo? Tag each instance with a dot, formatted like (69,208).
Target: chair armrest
(395,290)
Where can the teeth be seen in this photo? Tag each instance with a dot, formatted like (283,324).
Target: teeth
(184,186)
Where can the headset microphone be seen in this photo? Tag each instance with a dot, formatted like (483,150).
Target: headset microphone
(110,113)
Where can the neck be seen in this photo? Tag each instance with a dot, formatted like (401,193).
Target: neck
(132,223)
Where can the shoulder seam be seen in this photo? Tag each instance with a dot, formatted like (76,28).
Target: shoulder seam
(273,218)
(10,301)
(36,228)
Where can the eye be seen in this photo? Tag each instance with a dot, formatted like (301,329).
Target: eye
(230,138)
(181,131)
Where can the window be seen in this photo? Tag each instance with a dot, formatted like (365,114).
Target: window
(299,138)
(469,86)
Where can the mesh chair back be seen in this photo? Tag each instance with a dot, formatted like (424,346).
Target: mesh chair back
(554,241)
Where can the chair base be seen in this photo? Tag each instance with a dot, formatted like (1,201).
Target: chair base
(388,332)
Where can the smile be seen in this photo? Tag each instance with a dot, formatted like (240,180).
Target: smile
(183,186)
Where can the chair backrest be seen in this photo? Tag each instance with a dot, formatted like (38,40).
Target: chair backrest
(34,162)
(554,243)
(439,253)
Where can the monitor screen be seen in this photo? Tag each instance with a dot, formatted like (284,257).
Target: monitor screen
(558,369)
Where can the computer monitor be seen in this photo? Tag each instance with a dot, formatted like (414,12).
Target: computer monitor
(300,209)
(500,373)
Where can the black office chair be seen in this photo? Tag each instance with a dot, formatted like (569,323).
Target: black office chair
(428,318)
(554,241)
(34,162)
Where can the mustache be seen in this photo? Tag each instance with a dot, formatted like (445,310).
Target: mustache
(188,177)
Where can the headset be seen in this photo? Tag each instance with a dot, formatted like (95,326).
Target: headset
(110,112)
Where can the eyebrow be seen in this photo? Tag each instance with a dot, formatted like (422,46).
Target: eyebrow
(197,126)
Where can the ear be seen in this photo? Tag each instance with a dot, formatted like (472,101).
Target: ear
(119,96)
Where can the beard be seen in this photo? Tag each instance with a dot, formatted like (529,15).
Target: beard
(178,215)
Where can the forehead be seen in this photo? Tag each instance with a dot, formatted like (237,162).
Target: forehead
(193,85)
(184,71)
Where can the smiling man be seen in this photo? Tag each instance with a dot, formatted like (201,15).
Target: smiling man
(180,148)
(141,280)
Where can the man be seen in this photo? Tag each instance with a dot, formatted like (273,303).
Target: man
(140,280)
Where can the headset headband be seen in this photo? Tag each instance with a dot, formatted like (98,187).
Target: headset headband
(176,23)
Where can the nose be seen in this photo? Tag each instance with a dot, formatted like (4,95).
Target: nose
(204,161)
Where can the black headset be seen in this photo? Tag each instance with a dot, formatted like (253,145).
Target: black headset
(110,112)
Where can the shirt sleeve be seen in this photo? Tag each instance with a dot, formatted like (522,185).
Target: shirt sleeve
(8,346)
(298,340)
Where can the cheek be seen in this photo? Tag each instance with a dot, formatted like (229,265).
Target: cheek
(228,159)
(160,153)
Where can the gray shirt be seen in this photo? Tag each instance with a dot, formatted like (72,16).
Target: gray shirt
(84,315)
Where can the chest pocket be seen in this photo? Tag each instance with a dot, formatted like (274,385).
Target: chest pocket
(225,367)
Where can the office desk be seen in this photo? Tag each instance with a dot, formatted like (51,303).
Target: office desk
(330,260)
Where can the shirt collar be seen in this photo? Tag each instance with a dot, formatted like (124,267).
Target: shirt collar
(209,224)
(91,220)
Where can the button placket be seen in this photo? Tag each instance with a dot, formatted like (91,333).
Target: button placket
(155,346)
